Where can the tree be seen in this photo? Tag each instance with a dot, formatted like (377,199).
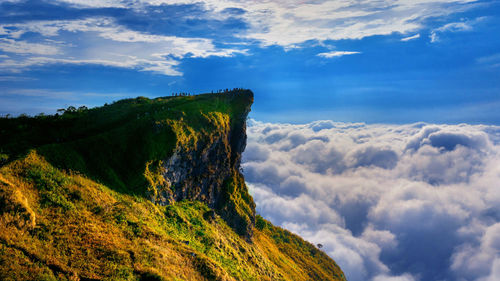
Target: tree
(82,108)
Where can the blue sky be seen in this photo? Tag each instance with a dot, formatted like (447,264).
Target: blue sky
(387,61)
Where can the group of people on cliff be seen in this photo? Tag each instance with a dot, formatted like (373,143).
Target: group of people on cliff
(220,91)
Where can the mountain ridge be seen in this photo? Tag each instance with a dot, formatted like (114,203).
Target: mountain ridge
(140,190)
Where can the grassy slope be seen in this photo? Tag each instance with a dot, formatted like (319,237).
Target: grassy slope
(58,225)
(122,145)
(113,143)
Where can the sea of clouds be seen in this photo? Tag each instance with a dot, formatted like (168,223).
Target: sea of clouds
(388,202)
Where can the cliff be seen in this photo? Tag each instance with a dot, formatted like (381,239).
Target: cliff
(205,166)
(140,190)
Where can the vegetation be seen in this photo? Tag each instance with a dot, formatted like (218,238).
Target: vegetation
(73,205)
(113,144)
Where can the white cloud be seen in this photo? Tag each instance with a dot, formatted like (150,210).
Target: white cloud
(466,25)
(404,277)
(289,23)
(335,54)
(285,23)
(96,3)
(23,47)
(63,96)
(479,260)
(434,37)
(416,36)
(455,27)
(495,271)
(388,202)
(101,41)
(491,60)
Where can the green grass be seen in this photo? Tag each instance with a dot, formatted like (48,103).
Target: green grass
(112,144)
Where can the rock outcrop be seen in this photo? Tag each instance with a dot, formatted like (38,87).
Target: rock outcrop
(206,167)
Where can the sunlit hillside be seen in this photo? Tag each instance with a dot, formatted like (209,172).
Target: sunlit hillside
(77,200)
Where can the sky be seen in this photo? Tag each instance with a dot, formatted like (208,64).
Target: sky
(375,128)
(384,61)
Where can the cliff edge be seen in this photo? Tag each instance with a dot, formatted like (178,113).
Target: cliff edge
(205,164)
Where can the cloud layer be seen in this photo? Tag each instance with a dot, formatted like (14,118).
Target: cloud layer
(287,23)
(388,202)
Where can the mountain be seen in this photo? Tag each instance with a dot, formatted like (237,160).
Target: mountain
(141,189)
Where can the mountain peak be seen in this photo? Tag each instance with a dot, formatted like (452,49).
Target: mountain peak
(141,189)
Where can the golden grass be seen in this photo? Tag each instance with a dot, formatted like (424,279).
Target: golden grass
(107,235)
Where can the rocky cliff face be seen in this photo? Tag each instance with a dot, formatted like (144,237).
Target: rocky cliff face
(206,168)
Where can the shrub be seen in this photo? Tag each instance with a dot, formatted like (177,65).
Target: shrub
(3,158)
(260,223)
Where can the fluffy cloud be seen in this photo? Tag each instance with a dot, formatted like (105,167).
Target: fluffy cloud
(99,41)
(388,202)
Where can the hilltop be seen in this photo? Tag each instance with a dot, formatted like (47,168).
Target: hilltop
(141,189)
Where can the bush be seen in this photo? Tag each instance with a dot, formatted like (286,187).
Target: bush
(260,223)
(45,178)
(51,184)
(3,158)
